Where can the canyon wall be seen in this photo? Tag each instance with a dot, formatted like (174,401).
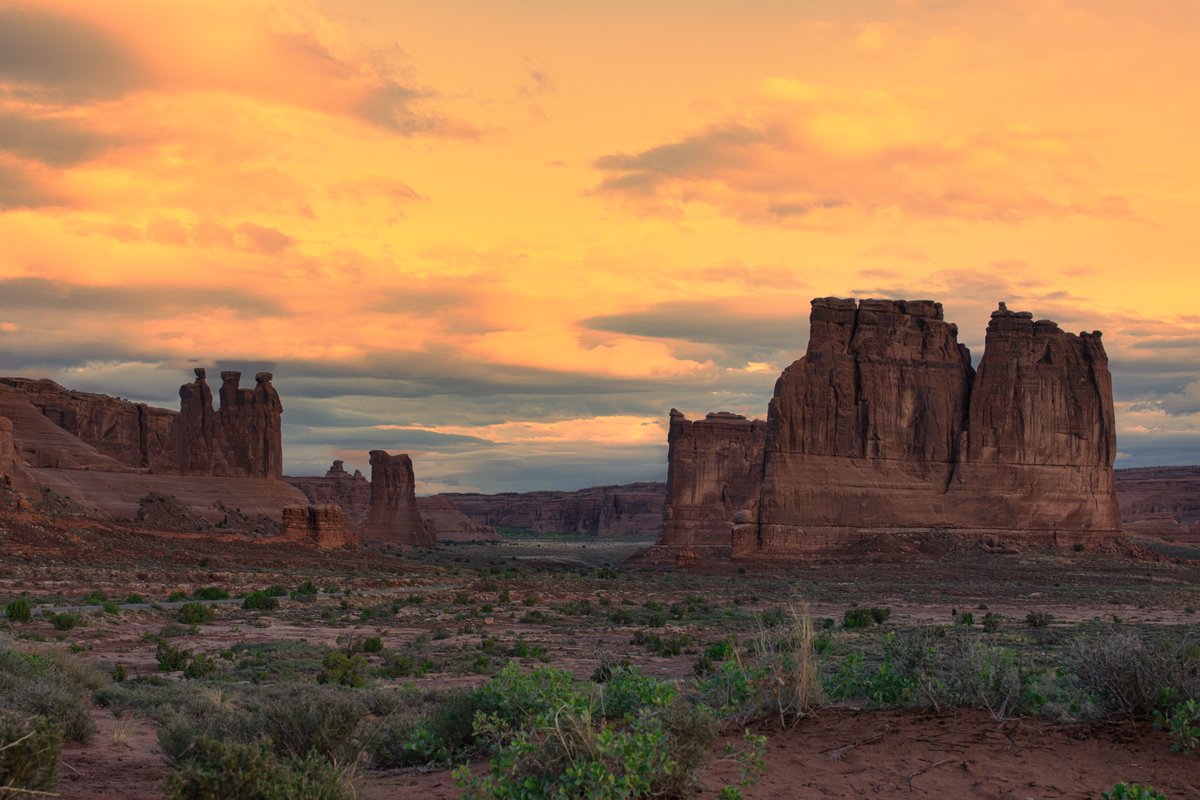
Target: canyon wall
(320,525)
(1161,501)
(634,509)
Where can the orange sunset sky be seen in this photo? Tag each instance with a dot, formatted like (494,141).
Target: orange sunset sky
(507,237)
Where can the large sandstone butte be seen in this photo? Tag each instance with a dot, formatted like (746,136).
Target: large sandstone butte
(1161,501)
(631,509)
(393,516)
(884,428)
(107,453)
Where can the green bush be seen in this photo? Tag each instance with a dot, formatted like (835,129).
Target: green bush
(1183,722)
(170,659)
(372,644)
(134,599)
(991,622)
(1134,672)
(176,596)
(442,734)
(250,771)
(260,601)
(195,613)
(19,610)
(210,593)
(94,598)
(1133,791)
(277,591)
(66,620)
(865,617)
(201,665)
(111,607)
(627,691)
(29,753)
(1038,619)
(342,670)
(54,685)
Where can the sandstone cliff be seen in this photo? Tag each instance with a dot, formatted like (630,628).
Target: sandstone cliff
(352,493)
(714,471)
(447,524)
(1161,501)
(883,426)
(633,509)
(393,516)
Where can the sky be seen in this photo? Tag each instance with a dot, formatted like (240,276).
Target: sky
(507,238)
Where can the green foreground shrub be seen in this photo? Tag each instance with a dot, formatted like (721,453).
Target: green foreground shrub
(251,771)
(19,610)
(53,686)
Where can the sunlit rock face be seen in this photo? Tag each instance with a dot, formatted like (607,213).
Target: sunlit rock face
(393,515)
(884,426)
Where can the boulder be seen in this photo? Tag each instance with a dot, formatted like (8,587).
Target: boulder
(393,515)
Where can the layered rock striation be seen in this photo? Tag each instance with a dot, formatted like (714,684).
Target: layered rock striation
(884,427)
(352,493)
(447,524)
(393,516)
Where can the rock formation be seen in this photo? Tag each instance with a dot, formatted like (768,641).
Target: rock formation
(252,423)
(132,434)
(884,427)
(447,524)
(633,509)
(1161,501)
(107,453)
(321,525)
(393,515)
(352,493)
(8,454)
(714,470)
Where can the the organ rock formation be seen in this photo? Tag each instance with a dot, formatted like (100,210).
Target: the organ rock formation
(393,516)
(883,427)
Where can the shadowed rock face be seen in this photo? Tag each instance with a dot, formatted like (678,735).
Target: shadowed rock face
(714,470)
(252,424)
(393,516)
(1161,501)
(7,453)
(352,493)
(447,524)
(632,509)
(200,443)
(883,425)
(320,525)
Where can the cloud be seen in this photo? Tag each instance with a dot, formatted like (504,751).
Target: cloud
(713,322)
(813,155)
(20,189)
(49,58)
(59,143)
(39,295)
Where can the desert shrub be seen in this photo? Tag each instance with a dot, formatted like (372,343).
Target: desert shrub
(440,733)
(19,610)
(865,617)
(94,598)
(53,686)
(260,601)
(372,644)
(534,616)
(714,654)
(170,659)
(1135,672)
(210,593)
(323,720)
(111,607)
(972,673)
(628,691)
(342,670)
(1183,722)
(200,666)
(251,771)
(195,613)
(134,599)
(1133,791)
(991,622)
(176,596)
(672,644)
(29,752)
(66,620)
(1038,619)
(119,673)
(965,618)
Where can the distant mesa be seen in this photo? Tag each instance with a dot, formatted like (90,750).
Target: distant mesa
(883,429)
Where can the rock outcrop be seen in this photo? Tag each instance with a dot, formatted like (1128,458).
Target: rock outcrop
(321,525)
(352,493)
(106,453)
(132,434)
(393,515)
(632,509)
(447,524)
(8,454)
(253,425)
(884,427)
(714,471)
(1161,501)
